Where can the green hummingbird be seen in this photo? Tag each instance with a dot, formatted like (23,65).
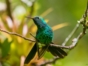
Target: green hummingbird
(44,36)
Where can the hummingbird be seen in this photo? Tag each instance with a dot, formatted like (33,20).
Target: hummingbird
(44,36)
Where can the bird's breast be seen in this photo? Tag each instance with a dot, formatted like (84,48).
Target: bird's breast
(45,36)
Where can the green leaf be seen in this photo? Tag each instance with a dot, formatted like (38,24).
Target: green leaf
(5,47)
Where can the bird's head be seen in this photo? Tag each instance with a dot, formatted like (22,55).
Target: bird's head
(39,21)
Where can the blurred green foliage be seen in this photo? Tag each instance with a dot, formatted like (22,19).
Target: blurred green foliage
(14,49)
(5,47)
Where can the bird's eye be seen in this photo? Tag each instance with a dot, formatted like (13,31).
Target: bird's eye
(37,17)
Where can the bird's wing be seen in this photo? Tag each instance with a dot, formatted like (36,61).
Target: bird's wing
(42,51)
(31,54)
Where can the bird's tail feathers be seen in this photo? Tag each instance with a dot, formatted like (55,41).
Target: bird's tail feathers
(56,51)
(31,54)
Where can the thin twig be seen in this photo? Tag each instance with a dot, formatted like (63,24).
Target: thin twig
(71,34)
(12,33)
(74,42)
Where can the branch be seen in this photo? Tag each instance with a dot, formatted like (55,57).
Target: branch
(71,34)
(12,33)
(9,9)
(74,42)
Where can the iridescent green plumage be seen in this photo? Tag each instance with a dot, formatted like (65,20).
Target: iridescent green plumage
(44,36)
(44,31)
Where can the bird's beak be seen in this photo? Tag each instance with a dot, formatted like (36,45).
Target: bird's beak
(29,17)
